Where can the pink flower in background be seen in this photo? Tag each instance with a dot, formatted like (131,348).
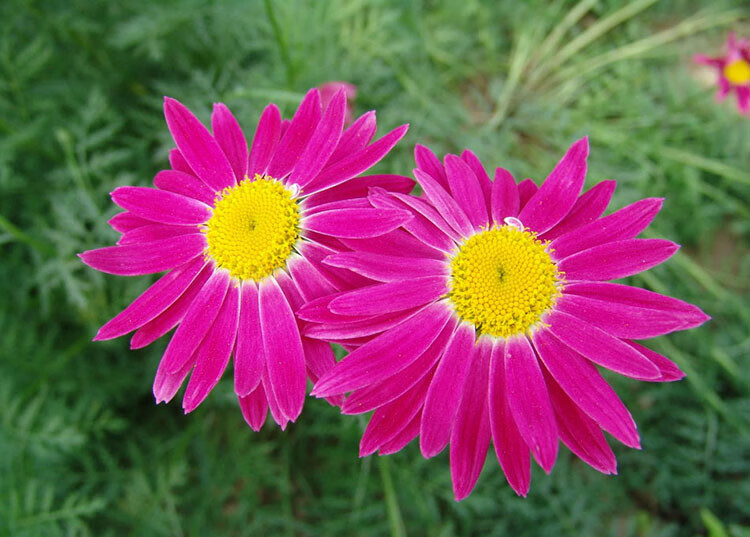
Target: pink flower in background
(491,315)
(329,89)
(733,71)
(242,234)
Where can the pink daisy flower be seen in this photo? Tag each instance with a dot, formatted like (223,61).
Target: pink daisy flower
(491,328)
(733,71)
(242,235)
(329,89)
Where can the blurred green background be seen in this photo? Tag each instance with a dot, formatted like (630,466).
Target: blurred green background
(83,449)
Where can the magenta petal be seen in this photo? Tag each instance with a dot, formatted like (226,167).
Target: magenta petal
(668,369)
(265,140)
(389,420)
(444,394)
(510,448)
(395,243)
(178,162)
(154,232)
(406,435)
(212,355)
(376,395)
(161,205)
(484,180)
(466,190)
(586,387)
(600,347)
(254,408)
(359,187)
(505,200)
(356,223)
(336,328)
(526,190)
(387,354)
(167,384)
(228,134)
(323,142)
(297,136)
(356,163)
(146,258)
(199,148)
(623,224)
(198,320)
(444,203)
(430,164)
(617,259)
(588,207)
(627,320)
(125,221)
(470,438)
(390,297)
(558,193)
(579,432)
(249,355)
(152,301)
(285,358)
(356,136)
(273,404)
(388,268)
(529,401)
(310,282)
(185,184)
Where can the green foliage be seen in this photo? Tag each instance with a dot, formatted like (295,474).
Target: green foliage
(83,449)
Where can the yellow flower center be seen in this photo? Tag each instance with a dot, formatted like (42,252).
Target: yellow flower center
(738,72)
(254,228)
(503,280)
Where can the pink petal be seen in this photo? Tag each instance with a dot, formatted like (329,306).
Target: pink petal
(161,205)
(505,200)
(588,207)
(626,223)
(378,394)
(600,347)
(285,358)
(484,180)
(356,163)
(212,355)
(249,356)
(310,282)
(529,402)
(265,141)
(617,259)
(356,223)
(125,221)
(185,184)
(359,187)
(668,369)
(624,320)
(230,138)
(385,355)
(526,190)
(198,320)
(168,319)
(558,193)
(470,438)
(273,404)
(406,435)
(466,190)
(388,268)
(322,144)
(580,433)
(430,164)
(389,420)
(743,99)
(199,148)
(154,232)
(254,408)
(444,203)
(178,162)
(586,387)
(355,137)
(146,258)
(510,448)
(152,302)
(320,360)
(395,243)
(295,139)
(337,328)
(390,297)
(167,384)
(444,395)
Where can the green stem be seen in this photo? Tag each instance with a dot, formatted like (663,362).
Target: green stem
(391,502)
(7,226)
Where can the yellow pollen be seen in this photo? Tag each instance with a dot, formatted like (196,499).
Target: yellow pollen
(254,228)
(503,280)
(738,72)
